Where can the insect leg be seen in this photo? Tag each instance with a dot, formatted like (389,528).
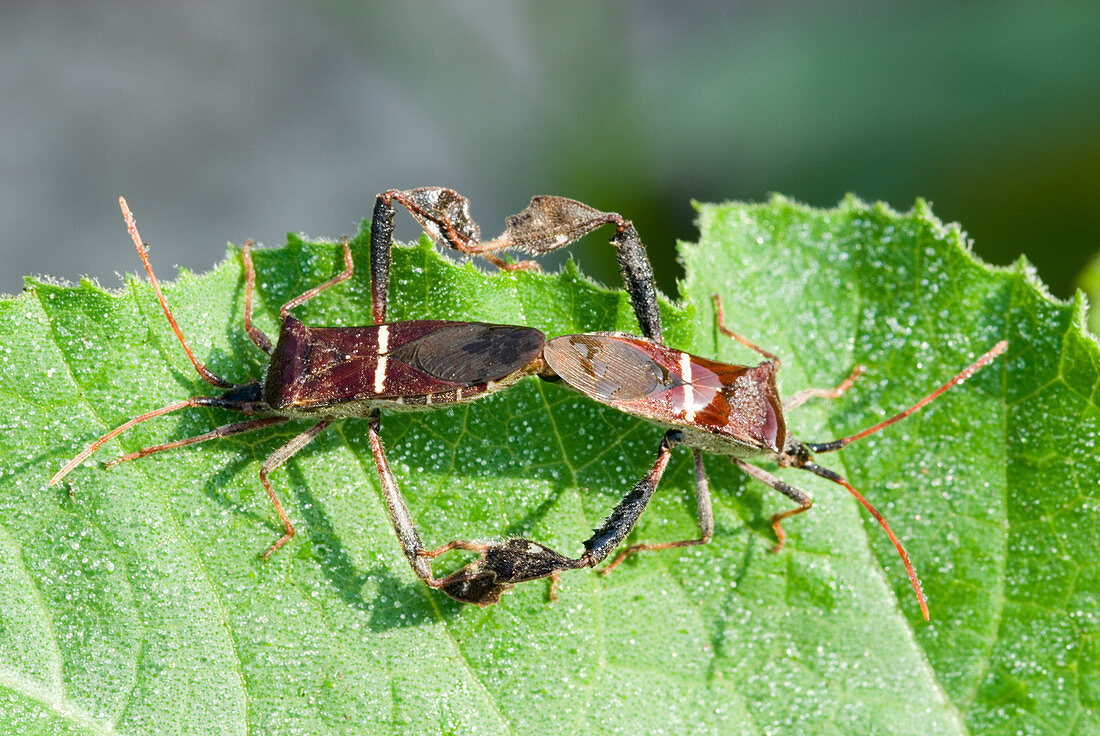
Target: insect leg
(703,510)
(481,582)
(344,275)
(273,461)
(623,517)
(263,342)
(504,564)
(800,397)
(638,275)
(205,373)
(720,319)
(547,224)
(961,376)
(550,223)
(500,567)
(381,246)
(223,431)
(445,216)
(396,507)
(797,495)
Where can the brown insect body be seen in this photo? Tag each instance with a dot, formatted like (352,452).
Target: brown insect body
(713,407)
(329,373)
(721,408)
(351,371)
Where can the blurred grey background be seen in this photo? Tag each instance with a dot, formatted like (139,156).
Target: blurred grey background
(224,121)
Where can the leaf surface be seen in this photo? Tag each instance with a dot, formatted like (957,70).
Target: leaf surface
(1089,281)
(134,601)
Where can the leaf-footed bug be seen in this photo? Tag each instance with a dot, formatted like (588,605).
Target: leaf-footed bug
(331,373)
(325,374)
(708,406)
(711,407)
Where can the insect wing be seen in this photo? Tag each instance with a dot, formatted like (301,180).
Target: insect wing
(465,354)
(413,362)
(661,384)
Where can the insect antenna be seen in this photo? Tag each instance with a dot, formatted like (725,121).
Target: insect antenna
(225,430)
(206,374)
(845,441)
(194,401)
(962,376)
(840,480)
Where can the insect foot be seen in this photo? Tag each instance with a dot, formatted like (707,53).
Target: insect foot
(501,566)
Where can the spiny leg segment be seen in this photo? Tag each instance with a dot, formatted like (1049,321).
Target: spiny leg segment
(704,515)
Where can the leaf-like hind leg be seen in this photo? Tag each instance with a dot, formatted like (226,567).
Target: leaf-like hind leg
(500,566)
(547,224)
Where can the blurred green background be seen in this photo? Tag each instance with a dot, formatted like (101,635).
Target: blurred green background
(227,121)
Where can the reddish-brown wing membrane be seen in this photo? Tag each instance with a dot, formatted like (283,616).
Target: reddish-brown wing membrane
(738,403)
(334,370)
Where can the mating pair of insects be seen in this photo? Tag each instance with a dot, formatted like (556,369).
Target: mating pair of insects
(325,374)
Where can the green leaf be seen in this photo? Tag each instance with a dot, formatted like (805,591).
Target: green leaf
(1090,282)
(134,601)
